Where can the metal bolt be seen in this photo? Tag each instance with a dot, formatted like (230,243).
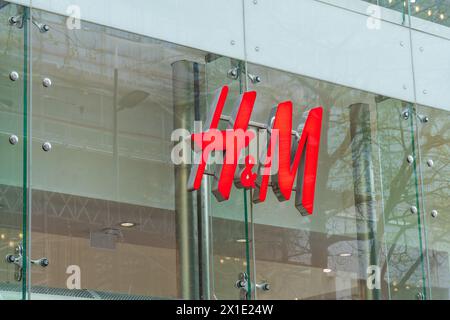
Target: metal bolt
(410,159)
(15,20)
(12,20)
(254,78)
(434,213)
(405,114)
(255,1)
(232,42)
(14,76)
(241,284)
(430,163)
(264,286)
(413,210)
(10,258)
(401,44)
(425,91)
(44,28)
(13,139)
(44,262)
(233,73)
(256,49)
(421,49)
(423,118)
(46,146)
(404,87)
(46,82)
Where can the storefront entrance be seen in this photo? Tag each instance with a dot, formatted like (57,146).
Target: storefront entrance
(92,206)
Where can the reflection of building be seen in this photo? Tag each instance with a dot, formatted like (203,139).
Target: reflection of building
(108,199)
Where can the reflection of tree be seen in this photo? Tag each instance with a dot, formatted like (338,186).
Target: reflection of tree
(397,185)
(406,180)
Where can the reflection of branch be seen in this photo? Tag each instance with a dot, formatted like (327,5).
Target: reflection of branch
(342,148)
(410,271)
(402,136)
(392,248)
(397,218)
(399,182)
(398,193)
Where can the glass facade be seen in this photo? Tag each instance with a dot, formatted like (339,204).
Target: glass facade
(93,207)
(436,11)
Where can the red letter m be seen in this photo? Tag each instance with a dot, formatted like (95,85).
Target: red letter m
(294,159)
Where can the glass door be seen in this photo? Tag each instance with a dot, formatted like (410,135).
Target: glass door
(13,150)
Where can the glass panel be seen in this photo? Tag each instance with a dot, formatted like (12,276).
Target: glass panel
(397,5)
(110,210)
(434,141)
(362,240)
(436,11)
(13,79)
(404,225)
(229,219)
(431,75)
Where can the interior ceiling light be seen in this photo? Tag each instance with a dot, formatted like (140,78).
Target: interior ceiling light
(127,224)
(241,240)
(327,270)
(345,254)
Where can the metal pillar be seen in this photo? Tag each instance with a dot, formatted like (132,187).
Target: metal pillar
(364,190)
(192,219)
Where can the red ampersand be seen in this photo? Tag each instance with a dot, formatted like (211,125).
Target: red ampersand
(248,178)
